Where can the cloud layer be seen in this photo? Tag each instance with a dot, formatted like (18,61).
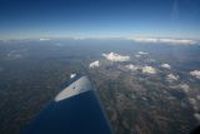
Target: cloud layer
(132,67)
(73,75)
(149,70)
(44,39)
(185,87)
(94,64)
(164,40)
(195,73)
(142,53)
(114,57)
(172,77)
(167,66)
(197,116)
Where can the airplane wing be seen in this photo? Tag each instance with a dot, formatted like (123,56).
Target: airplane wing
(75,110)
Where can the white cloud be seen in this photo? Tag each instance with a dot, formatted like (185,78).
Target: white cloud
(142,53)
(178,41)
(195,73)
(164,40)
(114,57)
(44,39)
(172,77)
(149,70)
(73,75)
(185,87)
(94,64)
(197,116)
(167,66)
(192,101)
(144,40)
(198,97)
(132,67)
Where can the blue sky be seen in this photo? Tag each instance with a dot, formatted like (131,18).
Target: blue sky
(104,18)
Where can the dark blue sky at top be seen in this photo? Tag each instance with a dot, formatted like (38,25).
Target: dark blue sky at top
(71,18)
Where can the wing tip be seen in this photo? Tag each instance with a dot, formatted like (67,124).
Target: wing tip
(79,86)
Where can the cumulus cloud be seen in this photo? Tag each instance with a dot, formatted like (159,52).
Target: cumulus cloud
(148,70)
(172,77)
(192,101)
(142,53)
(198,97)
(167,66)
(164,40)
(132,67)
(114,57)
(185,87)
(197,116)
(195,73)
(94,64)
(73,75)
